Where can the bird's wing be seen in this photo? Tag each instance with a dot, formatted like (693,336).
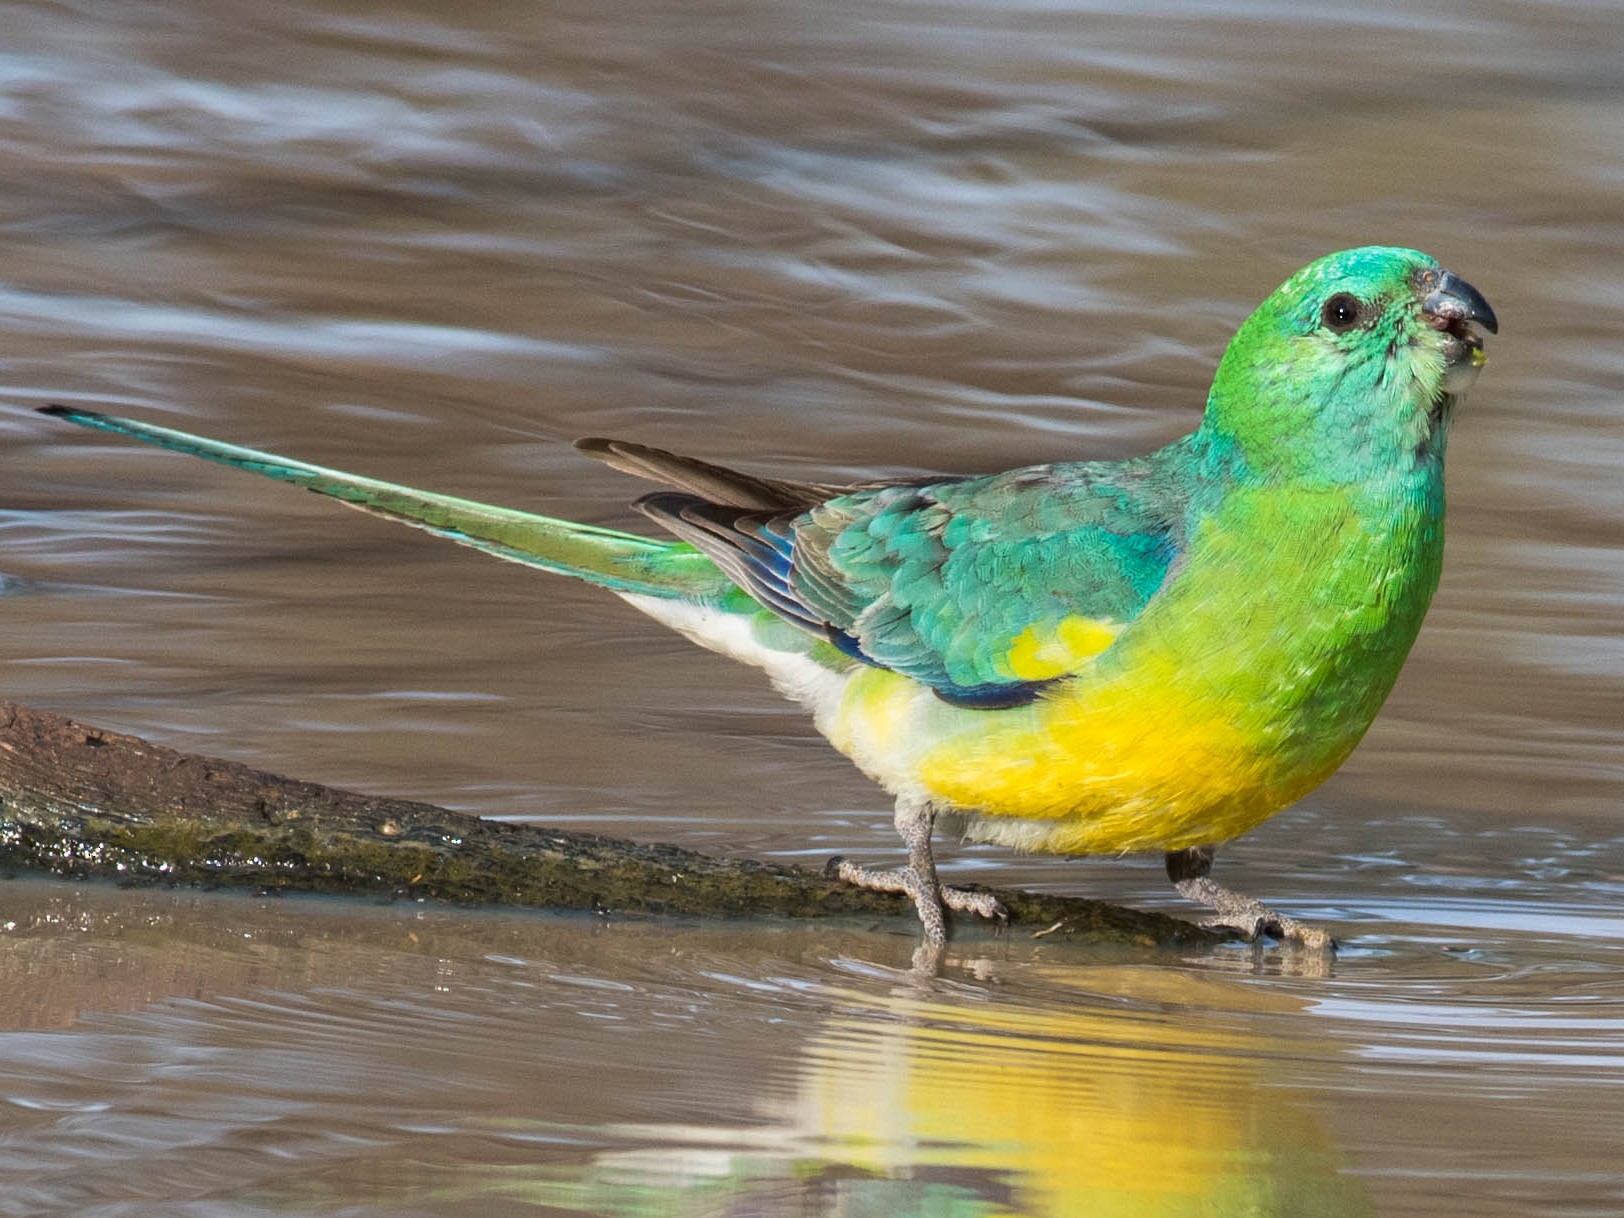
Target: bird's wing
(714,483)
(985,589)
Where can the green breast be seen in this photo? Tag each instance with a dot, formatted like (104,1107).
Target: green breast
(1296,607)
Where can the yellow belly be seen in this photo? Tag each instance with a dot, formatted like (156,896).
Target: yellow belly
(1105,766)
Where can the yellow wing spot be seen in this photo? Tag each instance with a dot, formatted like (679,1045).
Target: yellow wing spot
(1047,649)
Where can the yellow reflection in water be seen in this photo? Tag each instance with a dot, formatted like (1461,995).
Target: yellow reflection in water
(1150,1096)
(1138,1101)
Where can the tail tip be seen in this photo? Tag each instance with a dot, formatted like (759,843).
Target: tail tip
(58,411)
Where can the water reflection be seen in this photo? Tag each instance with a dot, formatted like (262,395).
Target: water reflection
(1148,1097)
(320,1056)
(1138,1101)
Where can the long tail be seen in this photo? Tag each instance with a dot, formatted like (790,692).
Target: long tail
(621,562)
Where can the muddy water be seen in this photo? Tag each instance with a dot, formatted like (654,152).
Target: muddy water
(836,240)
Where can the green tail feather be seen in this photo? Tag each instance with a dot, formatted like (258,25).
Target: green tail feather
(622,562)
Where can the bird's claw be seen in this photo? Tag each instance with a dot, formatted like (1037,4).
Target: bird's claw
(928,897)
(1190,870)
(1256,919)
(969,900)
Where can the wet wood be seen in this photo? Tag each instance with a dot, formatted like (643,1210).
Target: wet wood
(84,802)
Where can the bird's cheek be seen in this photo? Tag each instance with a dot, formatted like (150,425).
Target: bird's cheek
(1421,364)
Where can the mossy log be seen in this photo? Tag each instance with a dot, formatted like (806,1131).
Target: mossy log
(83,802)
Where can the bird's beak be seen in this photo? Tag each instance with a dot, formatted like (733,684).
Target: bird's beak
(1450,304)
(1451,299)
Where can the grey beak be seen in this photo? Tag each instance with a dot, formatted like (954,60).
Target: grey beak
(1453,299)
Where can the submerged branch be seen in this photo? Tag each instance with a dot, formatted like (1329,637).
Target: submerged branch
(83,802)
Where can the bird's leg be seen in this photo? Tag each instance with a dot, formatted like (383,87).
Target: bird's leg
(1191,873)
(915,819)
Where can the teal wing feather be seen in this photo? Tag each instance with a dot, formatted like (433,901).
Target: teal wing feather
(941,580)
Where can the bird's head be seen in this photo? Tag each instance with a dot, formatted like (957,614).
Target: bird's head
(1354,363)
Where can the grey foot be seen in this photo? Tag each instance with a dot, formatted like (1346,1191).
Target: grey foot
(914,819)
(1253,918)
(1189,870)
(929,897)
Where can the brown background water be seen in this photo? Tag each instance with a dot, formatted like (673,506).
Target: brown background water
(839,240)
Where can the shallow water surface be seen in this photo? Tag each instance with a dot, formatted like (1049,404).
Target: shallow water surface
(192,1053)
(436,244)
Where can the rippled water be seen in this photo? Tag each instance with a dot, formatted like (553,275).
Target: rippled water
(221,1055)
(837,240)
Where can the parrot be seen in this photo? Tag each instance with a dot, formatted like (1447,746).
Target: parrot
(1079,657)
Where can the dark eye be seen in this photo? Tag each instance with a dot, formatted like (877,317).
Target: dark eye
(1342,312)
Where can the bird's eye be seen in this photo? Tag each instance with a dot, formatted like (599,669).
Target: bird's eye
(1342,312)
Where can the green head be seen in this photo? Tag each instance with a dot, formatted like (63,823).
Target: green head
(1351,367)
